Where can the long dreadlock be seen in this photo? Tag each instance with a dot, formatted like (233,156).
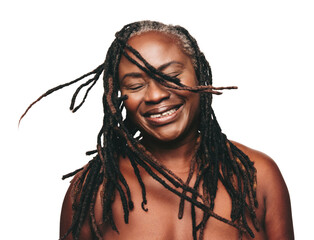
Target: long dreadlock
(216,158)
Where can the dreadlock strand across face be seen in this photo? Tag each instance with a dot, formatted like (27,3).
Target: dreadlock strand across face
(216,158)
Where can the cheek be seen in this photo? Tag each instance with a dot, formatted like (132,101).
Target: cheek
(189,78)
(193,102)
(190,98)
(132,104)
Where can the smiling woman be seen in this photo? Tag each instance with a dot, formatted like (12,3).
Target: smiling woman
(160,113)
(181,178)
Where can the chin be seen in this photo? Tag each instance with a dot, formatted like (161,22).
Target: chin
(168,138)
(174,132)
(167,135)
(160,137)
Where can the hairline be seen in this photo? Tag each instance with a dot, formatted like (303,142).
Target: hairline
(180,39)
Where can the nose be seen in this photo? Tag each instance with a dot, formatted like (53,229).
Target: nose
(155,93)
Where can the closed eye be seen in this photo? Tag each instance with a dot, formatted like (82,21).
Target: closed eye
(174,74)
(133,87)
(132,81)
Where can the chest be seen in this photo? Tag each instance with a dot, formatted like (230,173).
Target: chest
(161,220)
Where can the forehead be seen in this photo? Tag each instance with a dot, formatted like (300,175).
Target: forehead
(157,48)
(153,36)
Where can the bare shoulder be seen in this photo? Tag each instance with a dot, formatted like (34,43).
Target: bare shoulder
(267,169)
(67,215)
(269,176)
(272,187)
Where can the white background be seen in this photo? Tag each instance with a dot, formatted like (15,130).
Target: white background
(263,47)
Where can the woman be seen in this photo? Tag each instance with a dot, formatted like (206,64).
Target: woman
(166,171)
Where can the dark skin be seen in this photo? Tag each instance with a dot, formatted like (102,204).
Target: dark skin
(168,120)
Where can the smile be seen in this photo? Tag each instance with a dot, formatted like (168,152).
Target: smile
(164,114)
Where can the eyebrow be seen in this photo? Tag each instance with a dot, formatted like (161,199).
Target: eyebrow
(132,74)
(160,68)
(164,66)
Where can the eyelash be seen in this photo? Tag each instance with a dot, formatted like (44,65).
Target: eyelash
(135,86)
(174,75)
(138,86)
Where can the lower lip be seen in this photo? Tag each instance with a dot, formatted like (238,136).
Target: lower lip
(160,121)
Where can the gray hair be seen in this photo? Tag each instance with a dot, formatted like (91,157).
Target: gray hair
(183,42)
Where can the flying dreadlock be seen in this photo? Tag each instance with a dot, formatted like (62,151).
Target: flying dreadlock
(216,158)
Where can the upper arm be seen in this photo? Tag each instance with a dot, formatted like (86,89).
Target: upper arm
(278,218)
(272,190)
(66,215)
(66,218)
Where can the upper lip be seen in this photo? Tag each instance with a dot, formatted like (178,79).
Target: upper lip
(161,109)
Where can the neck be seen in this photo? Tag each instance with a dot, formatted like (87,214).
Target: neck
(175,155)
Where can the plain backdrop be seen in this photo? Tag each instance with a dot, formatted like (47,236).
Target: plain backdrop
(263,47)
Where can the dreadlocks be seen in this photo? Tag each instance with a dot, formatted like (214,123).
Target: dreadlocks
(216,158)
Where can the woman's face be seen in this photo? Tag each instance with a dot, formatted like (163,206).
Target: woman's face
(160,113)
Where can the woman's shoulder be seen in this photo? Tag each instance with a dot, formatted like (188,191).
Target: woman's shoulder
(272,187)
(67,211)
(267,170)
(263,163)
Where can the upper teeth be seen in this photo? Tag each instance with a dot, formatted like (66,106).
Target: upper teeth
(163,114)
